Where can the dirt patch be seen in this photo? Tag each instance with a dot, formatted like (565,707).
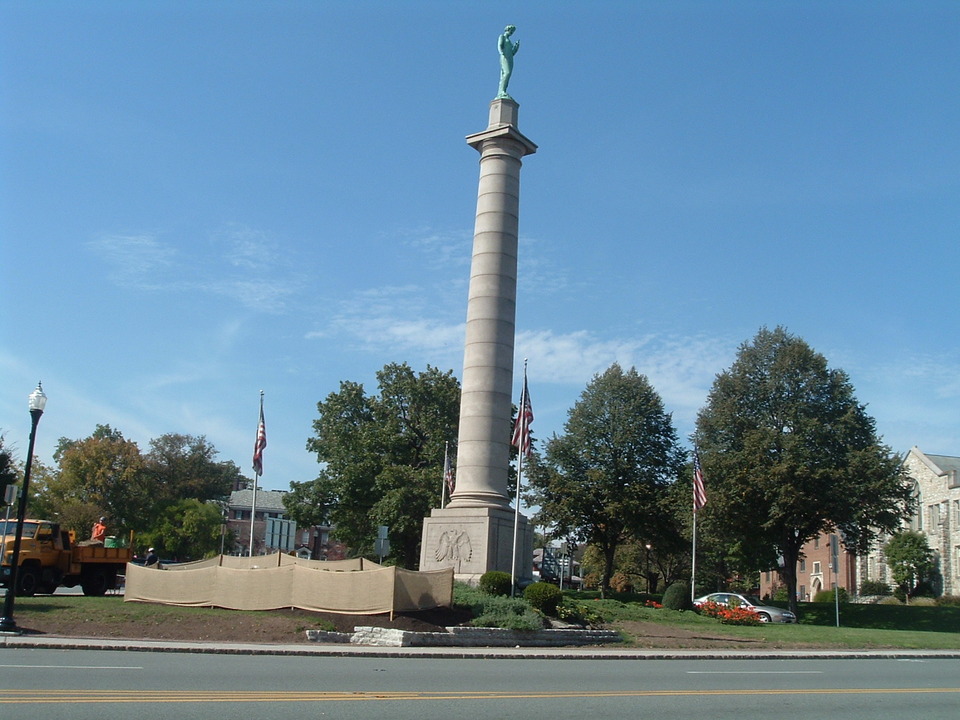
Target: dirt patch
(269,626)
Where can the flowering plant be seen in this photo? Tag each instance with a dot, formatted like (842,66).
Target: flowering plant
(653,604)
(729,615)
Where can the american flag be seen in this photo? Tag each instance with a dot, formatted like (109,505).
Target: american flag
(260,444)
(448,473)
(699,492)
(521,430)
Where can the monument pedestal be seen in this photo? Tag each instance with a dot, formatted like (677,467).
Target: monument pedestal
(473,540)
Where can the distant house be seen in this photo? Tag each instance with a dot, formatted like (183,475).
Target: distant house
(273,530)
(936,489)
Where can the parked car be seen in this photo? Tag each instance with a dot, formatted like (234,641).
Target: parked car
(767,613)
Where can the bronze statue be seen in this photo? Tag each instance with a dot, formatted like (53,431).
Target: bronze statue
(507,51)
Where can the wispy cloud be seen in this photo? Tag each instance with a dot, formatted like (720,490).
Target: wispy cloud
(442,250)
(134,259)
(240,263)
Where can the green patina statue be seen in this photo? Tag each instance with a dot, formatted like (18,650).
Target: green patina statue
(507,51)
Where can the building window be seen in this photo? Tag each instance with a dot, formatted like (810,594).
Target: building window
(918,525)
(816,542)
(803,565)
(816,567)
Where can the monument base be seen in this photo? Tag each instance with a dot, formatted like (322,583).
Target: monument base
(473,540)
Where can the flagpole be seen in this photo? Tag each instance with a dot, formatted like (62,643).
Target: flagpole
(699,500)
(522,419)
(693,561)
(257,470)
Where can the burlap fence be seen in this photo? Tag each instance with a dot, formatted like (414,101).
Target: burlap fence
(352,587)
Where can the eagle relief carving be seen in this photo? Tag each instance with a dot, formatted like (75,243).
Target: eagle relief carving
(454,545)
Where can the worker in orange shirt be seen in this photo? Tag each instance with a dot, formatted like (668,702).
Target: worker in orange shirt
(99,530)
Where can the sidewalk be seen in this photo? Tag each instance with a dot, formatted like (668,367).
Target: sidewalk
(561,653)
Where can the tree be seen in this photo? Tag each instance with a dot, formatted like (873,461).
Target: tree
(99,475)
(187,529)
(8,468)
(788,453)
(382,457)
(604,479)
(185,466)
(910,560)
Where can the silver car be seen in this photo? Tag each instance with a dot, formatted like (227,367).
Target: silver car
(767,613)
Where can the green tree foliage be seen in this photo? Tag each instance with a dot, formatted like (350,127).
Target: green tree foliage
(382,458)
(101,475)
(107,475)
(604,480)
(910,560)
(8,468)
(186,530)
(185,466)
(788,452)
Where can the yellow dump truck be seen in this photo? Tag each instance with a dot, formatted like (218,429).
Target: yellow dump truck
(49,558)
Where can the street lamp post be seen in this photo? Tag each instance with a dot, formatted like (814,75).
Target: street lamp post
(648,546)
(7,624)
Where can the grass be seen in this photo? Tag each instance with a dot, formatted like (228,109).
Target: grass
(861,626)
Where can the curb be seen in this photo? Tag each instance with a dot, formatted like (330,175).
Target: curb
(485,653)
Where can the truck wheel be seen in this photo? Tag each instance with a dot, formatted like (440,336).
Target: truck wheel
(94,583)
(27,582)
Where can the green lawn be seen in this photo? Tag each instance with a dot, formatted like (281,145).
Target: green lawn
(861,626)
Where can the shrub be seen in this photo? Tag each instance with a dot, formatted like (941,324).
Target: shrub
(923,601)
(496,582)
(677,597)
(507,613)
(781,594)
(874,587)
(621,583)
(577,613)
(495,610)
(889,600)
(825,596)
(946,600)
(543,597)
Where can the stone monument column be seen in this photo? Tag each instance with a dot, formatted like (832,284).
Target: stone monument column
(483,447)
(474,533)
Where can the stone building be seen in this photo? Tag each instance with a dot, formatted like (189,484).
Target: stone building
(936,488)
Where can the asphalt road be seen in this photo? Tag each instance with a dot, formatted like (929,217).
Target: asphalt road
(81,685)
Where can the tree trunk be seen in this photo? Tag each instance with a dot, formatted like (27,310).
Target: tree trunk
(608,554)
(789,574)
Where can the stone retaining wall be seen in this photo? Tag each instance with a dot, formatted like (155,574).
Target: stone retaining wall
(467,637)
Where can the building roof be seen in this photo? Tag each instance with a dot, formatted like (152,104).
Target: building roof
(946,463)
(267,500)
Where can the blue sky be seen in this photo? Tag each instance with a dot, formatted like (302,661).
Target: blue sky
(203,200)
